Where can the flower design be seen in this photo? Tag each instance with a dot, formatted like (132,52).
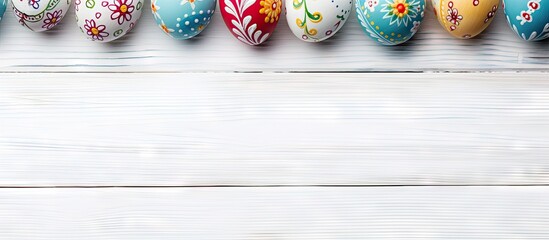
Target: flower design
(52,19)
(414,29)
(34,3)
(453,15)
(526,16)
(165,28)
(155,8)
(94,31)
(77,4)
(372,4)
(183,2)
(400,11)
(272,9)
(122,10)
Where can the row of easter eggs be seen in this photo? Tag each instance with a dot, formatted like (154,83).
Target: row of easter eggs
(388,22)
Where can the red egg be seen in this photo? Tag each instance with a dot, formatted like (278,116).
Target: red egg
(251,21)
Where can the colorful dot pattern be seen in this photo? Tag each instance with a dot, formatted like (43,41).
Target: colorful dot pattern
(183,19)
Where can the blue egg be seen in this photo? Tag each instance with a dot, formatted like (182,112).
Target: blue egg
(3,4)
(183,19)
(390,22)
(528,18)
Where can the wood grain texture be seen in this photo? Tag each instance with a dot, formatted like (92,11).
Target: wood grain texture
(273,129)
(275,213)
(147,49)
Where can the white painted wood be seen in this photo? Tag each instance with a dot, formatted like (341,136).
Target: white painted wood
(147,49)
(275,213)
(273,129)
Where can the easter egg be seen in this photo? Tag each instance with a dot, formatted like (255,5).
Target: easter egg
(183,19)
(317,20)
(465,18)
(390,22)
(251,21)
(3,4)
(107,20)
(529,19)
(40,15)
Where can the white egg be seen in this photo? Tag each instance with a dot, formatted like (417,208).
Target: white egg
(107,20)
(40,15)
(317,20)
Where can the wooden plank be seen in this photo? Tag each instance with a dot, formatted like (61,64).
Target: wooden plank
(147,49)
(273,129)
(276,213)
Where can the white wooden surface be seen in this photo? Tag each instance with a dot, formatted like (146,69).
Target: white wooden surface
(276,213)
(146,138)
(274,129)
(147,49)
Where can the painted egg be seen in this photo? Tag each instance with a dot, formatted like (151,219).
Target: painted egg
(3,4)
(390,22)
(317,20)
(465,18)
(183,19)
(251,21)
(528,18)
(40,15)
(107,20)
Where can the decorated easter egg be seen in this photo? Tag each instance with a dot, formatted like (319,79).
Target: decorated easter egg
(182,19)
(317,20)
(390,22)
(107,20)
(40,15)
(528,18)
(251,21)
(465,18)
(3,4)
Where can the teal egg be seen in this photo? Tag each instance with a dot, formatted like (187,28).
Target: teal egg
(529,19)
(183,19)
(3,4)
(390,22)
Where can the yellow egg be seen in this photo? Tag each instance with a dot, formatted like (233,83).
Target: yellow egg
(465,18)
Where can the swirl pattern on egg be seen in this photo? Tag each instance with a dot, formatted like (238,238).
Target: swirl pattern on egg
(40,15)
(317,20)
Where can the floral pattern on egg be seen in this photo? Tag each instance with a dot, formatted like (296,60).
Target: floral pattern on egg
(40,15)
(529,19)
(465,18)
(107,20)
(390,22)
(317,20)
(183,19)
(251,21)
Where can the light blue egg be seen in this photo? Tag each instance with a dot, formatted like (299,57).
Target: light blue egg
(183,19)
(3,4)
(528,18)
(390,22)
